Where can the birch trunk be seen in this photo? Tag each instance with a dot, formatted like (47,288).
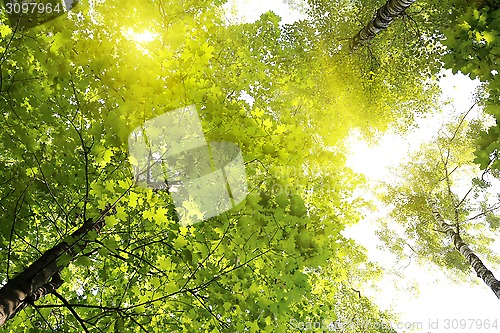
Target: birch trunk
(42,277)
(383,18)
(481,270)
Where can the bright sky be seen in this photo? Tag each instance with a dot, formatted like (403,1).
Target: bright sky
(251,10)
(439,298)
(440,302)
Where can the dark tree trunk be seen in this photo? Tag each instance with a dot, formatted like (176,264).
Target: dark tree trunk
(42,277)
(383,18)
(481,270)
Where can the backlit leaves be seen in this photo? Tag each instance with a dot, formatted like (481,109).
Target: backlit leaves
(71,92)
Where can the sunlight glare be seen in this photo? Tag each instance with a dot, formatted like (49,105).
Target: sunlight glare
(143,37)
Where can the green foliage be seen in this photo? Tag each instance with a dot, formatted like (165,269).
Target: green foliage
(384,70)
(473,44)
(473,47)
(72,90)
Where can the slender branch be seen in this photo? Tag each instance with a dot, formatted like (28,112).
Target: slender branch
(17,208)
(71,309)
(488,210)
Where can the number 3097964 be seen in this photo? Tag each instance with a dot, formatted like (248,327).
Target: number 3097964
(32,7)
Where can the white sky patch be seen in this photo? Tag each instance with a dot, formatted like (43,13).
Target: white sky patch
(248,98)
(248,11)
(374,161)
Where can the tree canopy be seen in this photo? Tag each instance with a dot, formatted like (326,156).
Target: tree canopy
(83,248)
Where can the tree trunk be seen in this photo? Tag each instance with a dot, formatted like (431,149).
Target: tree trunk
(383,17)
(481,270)
(42,277)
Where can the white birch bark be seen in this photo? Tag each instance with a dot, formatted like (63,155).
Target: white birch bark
(479,267)
(383,18)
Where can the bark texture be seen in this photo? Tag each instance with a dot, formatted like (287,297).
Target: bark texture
(383,18)
(43,276)
(481,270)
